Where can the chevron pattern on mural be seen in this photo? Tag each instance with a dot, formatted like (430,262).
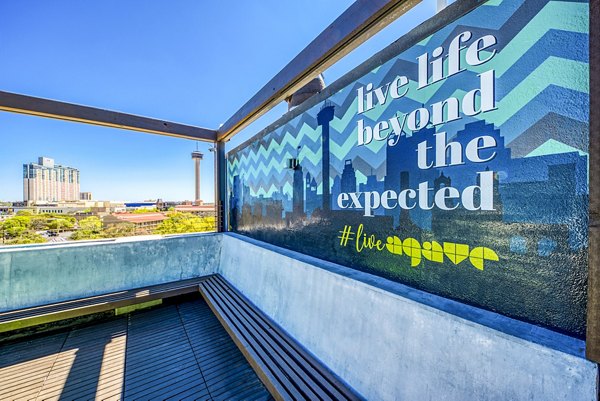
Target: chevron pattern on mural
(535,65)
(533,77)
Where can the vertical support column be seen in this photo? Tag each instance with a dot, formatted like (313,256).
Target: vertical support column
(221,186)
(593,303)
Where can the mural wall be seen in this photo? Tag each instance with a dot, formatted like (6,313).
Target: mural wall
(458,167)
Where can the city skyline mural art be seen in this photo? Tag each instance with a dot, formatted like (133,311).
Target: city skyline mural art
(458,167)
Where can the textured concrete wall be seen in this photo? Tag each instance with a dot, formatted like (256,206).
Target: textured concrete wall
(390,346)
(34,275)
(390,342)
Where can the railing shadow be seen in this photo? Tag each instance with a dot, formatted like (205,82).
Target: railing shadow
(82,363)
(97,366)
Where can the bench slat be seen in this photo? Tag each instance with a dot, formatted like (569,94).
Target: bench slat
(303,384)
(267,373)
(279,360)
(334,387)
(27,317)
(96,299)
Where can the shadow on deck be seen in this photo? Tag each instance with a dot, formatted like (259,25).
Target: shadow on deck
(172,352)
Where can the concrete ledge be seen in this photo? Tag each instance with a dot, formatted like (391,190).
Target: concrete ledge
(38,275)
(391,342)
(388,341)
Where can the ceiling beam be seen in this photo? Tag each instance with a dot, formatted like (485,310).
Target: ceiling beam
(359,22)
(35,106)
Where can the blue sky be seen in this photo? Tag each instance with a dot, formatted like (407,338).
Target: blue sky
(188,61)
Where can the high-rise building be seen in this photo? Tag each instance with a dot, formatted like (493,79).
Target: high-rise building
(45,181)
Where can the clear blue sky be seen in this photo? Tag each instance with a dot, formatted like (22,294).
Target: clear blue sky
(188,61)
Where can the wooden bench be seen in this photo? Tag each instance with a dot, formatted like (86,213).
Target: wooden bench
(27,317)
(287,370)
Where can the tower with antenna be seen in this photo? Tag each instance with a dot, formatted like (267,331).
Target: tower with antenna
(324,117)
(197,157)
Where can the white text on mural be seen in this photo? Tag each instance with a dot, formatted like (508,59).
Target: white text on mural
(432,69)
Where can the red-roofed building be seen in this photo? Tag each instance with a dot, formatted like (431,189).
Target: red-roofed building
(142,221)
(200,210)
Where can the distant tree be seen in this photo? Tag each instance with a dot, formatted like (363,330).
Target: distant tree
(38,223)
(145,210)
(25,213)
(120,230)
(89,228)
(178,223)
(61,224)
(20,229)
(28,237)
(91,223)
(15,226)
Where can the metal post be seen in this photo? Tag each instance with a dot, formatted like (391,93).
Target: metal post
(221,187)
(593,304)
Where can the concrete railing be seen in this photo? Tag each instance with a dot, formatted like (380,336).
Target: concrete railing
(37,275)
(388,341)
(392,342)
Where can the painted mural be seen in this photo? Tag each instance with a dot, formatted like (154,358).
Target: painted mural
(458,167)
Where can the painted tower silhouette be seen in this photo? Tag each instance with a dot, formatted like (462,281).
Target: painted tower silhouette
(324,117)
(298,192)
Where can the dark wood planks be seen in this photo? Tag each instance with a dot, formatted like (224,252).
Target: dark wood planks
(289,371)
(226,373)
(25,366)
(160,362)
(89,365)
(173,352)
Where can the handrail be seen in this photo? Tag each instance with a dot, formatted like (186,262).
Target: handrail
(36,106)
(359,22)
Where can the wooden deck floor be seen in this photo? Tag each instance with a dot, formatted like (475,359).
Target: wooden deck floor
(172,352)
